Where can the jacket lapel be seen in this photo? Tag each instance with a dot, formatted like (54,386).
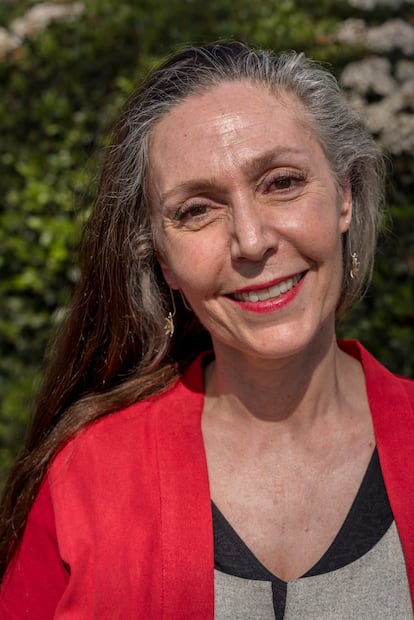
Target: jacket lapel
(187,531)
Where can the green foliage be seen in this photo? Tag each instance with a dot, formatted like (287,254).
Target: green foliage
(61,91)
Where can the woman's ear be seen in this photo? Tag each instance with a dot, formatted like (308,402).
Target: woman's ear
(167,272)
(345,212)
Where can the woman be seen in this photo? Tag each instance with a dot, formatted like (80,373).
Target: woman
(197,390)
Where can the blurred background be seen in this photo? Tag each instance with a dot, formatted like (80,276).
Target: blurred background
(65,70)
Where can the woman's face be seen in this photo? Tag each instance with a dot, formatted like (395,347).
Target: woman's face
(248,219)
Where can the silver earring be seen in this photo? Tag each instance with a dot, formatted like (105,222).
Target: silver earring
(169,319)
(354,271)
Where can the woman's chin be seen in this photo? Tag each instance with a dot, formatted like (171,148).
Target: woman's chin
(279,342)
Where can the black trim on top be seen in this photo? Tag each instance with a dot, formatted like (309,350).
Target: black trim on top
(369,518)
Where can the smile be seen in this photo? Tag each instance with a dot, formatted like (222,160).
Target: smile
(268,293)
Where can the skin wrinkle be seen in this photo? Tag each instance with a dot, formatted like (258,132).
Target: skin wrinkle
(251,168)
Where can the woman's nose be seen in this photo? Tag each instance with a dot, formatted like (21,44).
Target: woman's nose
(253,235)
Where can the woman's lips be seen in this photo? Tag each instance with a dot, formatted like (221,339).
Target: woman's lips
(271,292)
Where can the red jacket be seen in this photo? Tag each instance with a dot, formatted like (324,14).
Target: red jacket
(126,509)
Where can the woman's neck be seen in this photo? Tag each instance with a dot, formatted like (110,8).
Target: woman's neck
(293,392)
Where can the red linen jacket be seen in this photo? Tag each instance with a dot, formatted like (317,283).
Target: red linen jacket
(122,526)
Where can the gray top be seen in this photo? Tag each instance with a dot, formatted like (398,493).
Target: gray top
(373,587)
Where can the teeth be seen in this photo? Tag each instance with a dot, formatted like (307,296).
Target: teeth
(268,293)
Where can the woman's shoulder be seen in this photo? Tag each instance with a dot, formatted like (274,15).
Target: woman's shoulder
(119,427)
(373,365)
(408,384)
(136,415)
(137,426)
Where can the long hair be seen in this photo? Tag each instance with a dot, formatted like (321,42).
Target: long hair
(112,349)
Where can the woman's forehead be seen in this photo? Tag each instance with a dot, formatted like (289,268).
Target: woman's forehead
(228,113)
(229,97)
(233,122)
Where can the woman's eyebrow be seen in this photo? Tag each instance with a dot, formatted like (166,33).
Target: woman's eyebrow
(270,158)
(185,188)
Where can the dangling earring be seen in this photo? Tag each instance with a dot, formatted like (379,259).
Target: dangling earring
(185,301)
(169,319)
(354,271)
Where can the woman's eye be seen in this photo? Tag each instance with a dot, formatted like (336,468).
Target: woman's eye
(283,183)
(189,212)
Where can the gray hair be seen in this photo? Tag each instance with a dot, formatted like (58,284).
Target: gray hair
(350,150)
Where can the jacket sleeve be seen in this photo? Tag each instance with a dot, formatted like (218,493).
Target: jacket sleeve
(36,577)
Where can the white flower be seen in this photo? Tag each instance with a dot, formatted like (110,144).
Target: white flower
(39,17)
